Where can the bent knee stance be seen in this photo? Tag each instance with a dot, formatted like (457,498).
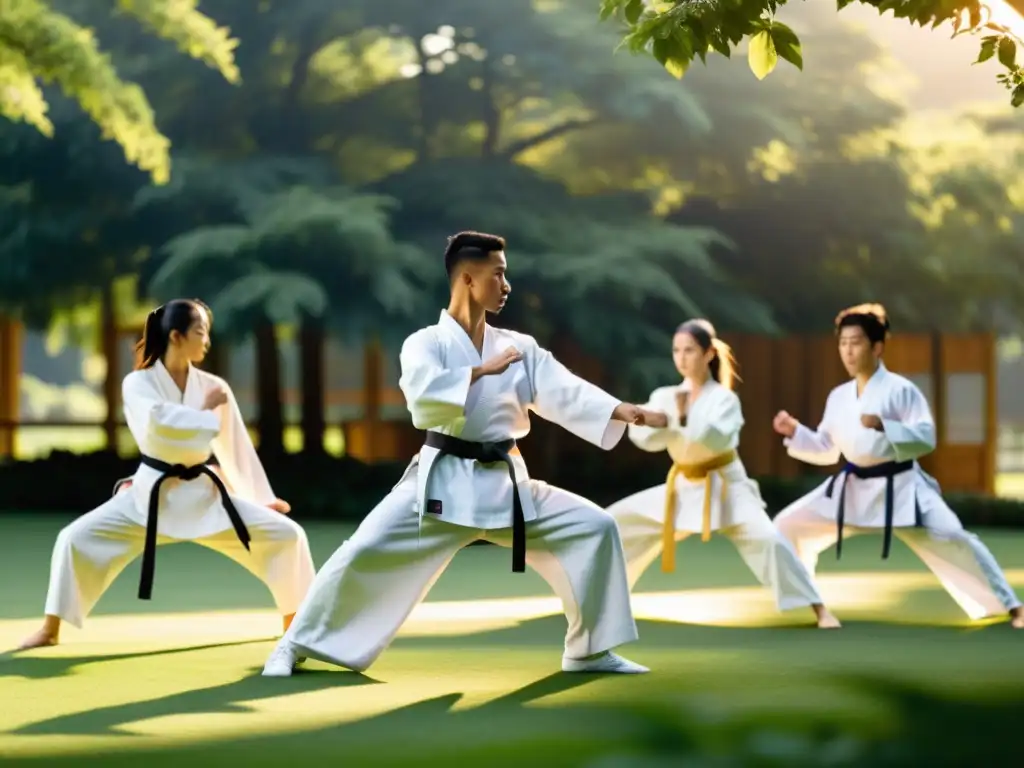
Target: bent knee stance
(598,523)
(599,530)
(80,540)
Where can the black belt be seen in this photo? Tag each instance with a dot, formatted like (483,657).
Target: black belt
(181,472)
(888,470)
(487,453)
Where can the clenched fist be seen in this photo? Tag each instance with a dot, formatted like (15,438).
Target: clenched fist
(215,398)
(871,422)
(785,424)
(634,414)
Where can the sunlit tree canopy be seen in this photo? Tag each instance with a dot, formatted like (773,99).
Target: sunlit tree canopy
(676,32)
(41,45)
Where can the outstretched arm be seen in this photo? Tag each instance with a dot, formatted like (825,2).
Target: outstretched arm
(562,397)
(657,438)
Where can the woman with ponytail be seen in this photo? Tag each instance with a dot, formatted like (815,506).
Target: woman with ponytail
(707,489)
(182,419)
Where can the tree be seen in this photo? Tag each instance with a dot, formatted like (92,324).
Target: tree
(38,42)
(676,32)
(266,259)
(598,273)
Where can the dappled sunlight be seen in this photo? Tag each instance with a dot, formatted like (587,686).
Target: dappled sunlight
(866,596)
(773,161)
(161,680)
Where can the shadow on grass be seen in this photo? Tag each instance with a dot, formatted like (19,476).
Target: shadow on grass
(39,665)
(215,700)
(549,631)
(921,729)
(911,726)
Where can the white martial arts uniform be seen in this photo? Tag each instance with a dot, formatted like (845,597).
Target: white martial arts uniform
(365,591)
(171,426)
(920,518)
(711,492)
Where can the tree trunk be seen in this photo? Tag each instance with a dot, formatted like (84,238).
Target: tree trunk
(112,381)
(268,391)
(10,381)
(312,352)
(373,380)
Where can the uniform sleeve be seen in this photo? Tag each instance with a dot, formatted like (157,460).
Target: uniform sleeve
(435,395)
(717,425)
(164,427)
(563,398)
(240,466)
(654,439)
(814,447)
(912,435)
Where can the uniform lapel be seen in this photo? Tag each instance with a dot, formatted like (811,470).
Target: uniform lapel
(458,337)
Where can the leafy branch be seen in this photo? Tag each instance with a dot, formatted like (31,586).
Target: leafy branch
(39,45)
(676,32)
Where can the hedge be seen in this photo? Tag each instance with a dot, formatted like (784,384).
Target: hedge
(323,487)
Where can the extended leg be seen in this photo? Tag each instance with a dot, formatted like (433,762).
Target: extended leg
(366,590)
(575,547)
(775,564)
(87,556)
(963,564)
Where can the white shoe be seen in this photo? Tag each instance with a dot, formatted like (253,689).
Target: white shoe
(606,662)
(282,660)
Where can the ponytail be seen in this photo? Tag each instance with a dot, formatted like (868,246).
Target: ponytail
(723,366)
(153,344)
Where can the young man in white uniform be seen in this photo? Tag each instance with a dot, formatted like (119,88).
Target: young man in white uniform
(471,387)
(879,424)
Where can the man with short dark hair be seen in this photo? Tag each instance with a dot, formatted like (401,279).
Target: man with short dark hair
(880,424)
(471,386)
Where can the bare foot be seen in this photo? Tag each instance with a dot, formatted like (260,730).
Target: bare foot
(39,639)
(1017,618)
(825,618)
(828,621)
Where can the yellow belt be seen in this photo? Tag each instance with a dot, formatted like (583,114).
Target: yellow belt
(701,471)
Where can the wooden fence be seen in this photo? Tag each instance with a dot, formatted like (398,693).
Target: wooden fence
(957,373)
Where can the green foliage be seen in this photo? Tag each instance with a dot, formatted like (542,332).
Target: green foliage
(63,216)
(39,43)
(599,269)
(677,31)
(281,240)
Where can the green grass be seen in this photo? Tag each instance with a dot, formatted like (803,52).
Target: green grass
(175,682)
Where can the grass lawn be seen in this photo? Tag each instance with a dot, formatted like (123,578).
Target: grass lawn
(474,674)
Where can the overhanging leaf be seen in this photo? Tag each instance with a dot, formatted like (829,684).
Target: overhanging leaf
(761,54)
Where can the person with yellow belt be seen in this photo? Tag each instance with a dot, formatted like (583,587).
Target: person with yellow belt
(707,489)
